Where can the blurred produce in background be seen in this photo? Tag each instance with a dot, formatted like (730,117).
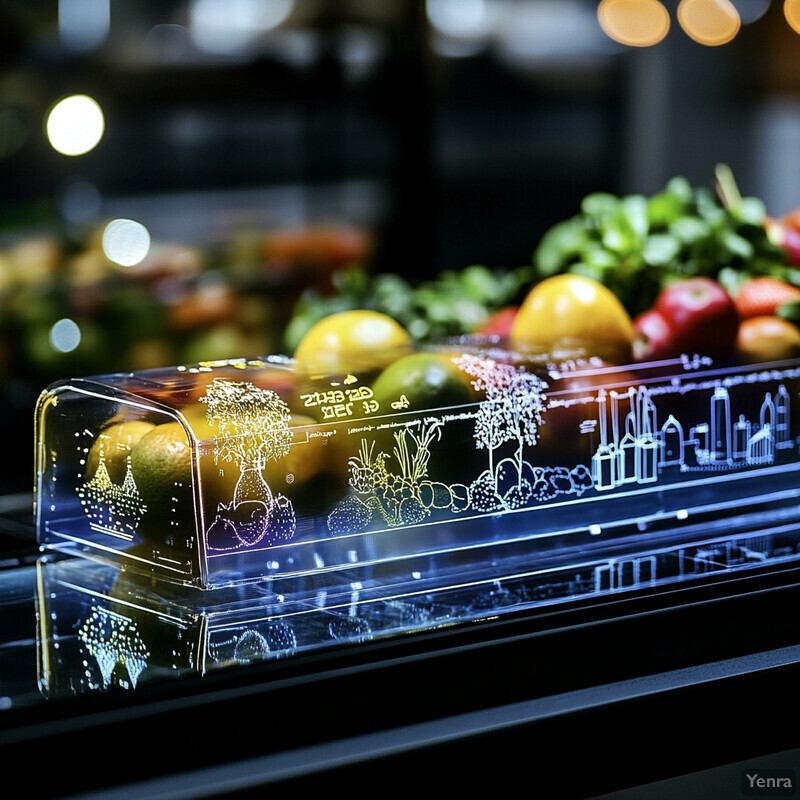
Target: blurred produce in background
(68,309)
(454,302)
(290,159)
(635,245)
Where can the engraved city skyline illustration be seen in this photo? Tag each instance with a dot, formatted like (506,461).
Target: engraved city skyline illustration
(390,486)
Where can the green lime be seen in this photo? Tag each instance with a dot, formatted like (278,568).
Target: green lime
(161,462)
(421,381)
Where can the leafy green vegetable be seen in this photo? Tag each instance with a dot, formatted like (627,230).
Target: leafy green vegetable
(637,245)
(453,303)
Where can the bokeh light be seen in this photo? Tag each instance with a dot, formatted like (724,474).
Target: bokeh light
(458,18)
(75,125)
(83,24)
(65,336)
(709,22)
(791,10)
(637,23)
(126,242)
(230,26)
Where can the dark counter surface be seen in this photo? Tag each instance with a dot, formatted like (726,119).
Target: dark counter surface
(312,699)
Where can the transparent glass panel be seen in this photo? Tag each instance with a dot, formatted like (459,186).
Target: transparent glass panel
(244,471)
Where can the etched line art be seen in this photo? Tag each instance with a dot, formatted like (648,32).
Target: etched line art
(112,508)
(628,437)
(252,427)
(632,446)
(647,450)
(401,497)
(114,642)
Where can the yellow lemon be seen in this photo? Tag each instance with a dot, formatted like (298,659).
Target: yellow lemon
(572,311)
(351,341)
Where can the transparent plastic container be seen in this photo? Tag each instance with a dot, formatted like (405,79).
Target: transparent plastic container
(254,471)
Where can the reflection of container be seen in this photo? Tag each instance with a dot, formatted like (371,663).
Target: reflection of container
(246,472)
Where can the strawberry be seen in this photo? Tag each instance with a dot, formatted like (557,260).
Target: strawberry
(764,295)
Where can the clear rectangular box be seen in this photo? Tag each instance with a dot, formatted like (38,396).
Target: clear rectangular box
(250,471)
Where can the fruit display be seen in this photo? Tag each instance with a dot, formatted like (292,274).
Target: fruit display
(692,315)
(690,266)
(574,311)
(458,455)
(628,279)
(261,292)
(636,245)
(557,424)
(455,302)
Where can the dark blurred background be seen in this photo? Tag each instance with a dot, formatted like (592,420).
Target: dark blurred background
(256,147)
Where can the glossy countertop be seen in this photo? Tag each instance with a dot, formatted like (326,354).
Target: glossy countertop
(253,689)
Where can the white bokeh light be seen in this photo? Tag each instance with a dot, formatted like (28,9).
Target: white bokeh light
(83,24)
(75,125)
(459,17)
(230,26)
(65,336)
(126,242)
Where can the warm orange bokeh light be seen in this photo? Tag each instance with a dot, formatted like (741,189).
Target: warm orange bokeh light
(709,22)
(638,23)
(791,10)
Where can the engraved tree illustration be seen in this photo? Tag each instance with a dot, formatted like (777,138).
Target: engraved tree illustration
(253,428)
(512,409)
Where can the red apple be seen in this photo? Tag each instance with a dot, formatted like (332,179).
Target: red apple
(701,315)
(499,323)
(653,338)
